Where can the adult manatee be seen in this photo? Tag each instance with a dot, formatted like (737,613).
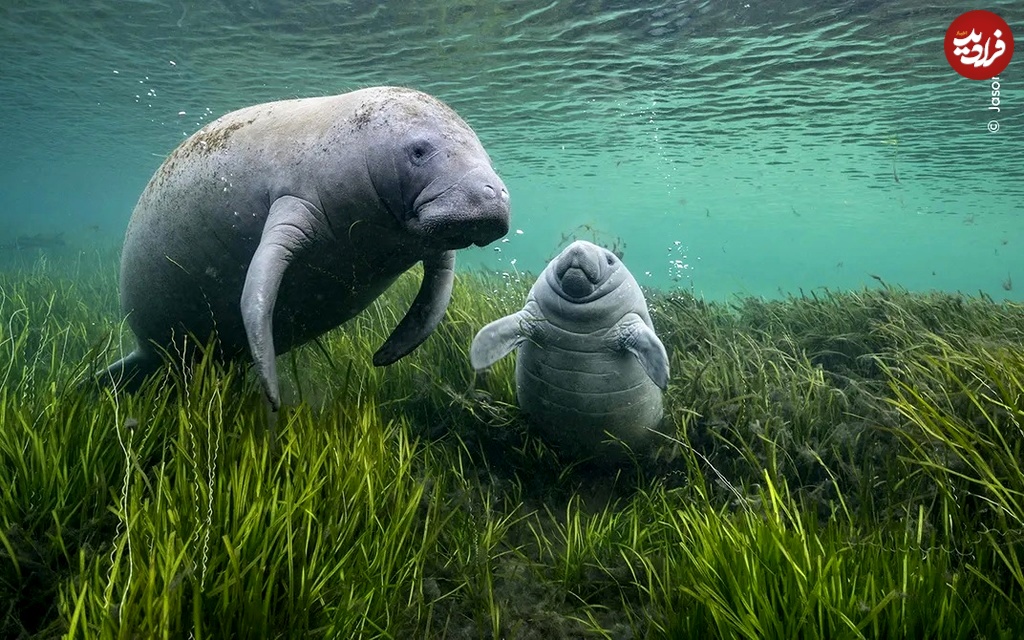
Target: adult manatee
(280,221)
(589,365)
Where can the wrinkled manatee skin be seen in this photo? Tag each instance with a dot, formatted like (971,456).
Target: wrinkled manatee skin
(280,221)
(589,366)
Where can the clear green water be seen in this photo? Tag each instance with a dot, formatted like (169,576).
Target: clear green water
(735,147)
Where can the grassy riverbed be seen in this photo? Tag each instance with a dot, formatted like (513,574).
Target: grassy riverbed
(844,465)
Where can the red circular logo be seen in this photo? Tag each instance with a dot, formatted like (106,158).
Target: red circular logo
(979,45)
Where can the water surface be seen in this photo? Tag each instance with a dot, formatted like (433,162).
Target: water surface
(731,147)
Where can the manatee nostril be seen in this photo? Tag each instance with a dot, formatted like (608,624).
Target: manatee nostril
(490,191)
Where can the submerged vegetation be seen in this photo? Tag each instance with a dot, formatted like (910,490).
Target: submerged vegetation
(844,465)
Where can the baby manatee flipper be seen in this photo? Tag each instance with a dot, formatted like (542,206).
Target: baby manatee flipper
(500,338)
(292,226)
(633,335)
(426,310)
(130,371)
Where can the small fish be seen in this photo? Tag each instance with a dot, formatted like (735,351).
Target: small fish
(37,241)
(1008,283)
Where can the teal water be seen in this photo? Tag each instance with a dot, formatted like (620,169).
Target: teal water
(728,147)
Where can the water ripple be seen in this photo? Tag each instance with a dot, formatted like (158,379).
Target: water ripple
(551,85)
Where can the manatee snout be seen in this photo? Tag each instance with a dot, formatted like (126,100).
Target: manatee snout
(578,269)
(474,210)
(487,197)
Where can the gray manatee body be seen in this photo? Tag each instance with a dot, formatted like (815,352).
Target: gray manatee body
(280,221)
(589,367)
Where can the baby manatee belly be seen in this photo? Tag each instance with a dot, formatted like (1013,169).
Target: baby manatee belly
(582,396)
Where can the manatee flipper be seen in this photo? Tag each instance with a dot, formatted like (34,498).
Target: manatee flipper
(292,225)
(129,372)
(632,334)
(426,310)
(499,338)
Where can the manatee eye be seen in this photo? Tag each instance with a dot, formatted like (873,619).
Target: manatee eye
(420,152)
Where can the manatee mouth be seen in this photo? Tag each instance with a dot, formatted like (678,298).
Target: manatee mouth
(579,272)
(576,284)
